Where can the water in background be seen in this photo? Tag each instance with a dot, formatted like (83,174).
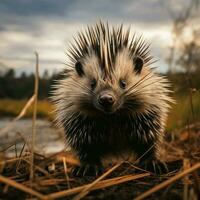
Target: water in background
(48,138)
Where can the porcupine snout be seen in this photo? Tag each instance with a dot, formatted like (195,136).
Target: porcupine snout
(106,100)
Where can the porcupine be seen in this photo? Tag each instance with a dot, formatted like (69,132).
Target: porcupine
(110,100)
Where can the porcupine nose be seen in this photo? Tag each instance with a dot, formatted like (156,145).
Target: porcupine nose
(106,100)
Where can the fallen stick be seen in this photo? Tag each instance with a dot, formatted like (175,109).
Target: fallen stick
(88,188)
(12,160)
(167,182)
(21,187)
(99,185)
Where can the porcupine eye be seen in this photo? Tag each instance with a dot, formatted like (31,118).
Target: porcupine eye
(122,83)
(79,68)
(93,84)
(138,64)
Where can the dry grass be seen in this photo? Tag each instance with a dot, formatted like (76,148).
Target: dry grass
(47,182)
(51,181)
(181,112)
(11,108)
(34,117)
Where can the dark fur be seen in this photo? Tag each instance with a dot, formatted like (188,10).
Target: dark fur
(113,135)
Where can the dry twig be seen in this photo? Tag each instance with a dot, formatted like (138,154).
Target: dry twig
(167,182)
(87,189)
(34,116)
(21,187)
(98,185)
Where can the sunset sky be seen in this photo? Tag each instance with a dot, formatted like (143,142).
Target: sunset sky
(48,25)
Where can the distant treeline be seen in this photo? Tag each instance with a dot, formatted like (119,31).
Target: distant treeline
(22,87)
(184,83)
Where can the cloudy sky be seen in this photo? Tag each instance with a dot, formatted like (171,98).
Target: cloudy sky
(46,26)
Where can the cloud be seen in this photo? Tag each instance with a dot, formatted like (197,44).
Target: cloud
(30,13)
(48,25)
(29,8)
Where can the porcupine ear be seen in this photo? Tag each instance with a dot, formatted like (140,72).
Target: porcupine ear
(138,63)
(79,68)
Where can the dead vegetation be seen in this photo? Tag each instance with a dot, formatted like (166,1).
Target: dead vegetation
(52,178)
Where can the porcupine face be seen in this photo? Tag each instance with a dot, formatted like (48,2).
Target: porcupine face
(109,73)
(108,93)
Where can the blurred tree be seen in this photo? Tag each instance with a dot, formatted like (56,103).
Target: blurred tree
(22,87)
(190,55)
(23,75)
(185,47)
(46,75)
(10,74)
